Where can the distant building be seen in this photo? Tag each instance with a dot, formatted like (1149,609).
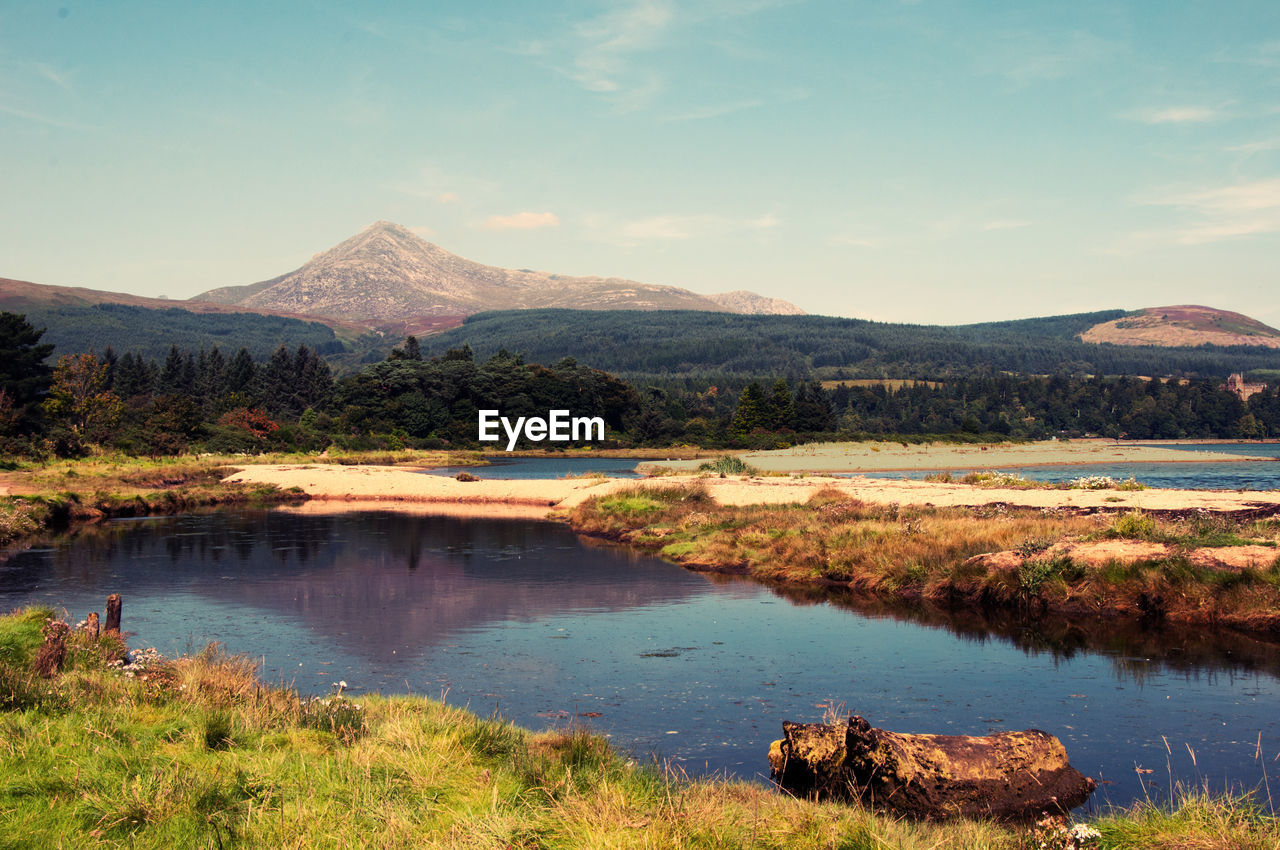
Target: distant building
(1236,384)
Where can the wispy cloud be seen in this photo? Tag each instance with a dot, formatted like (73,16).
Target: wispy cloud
(1006,224)
(613,53)
(57,76)
(1225,212)
(1263,55)
(1260,146)
(522,221)
(609,42)
(1026,57)
(854,240)
(40,118)
(716,111)
(434,183)
(673,227)
(1176,115)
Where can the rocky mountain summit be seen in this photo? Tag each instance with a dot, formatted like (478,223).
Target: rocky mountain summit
(386,273)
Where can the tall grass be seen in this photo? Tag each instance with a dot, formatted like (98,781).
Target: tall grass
(198,752)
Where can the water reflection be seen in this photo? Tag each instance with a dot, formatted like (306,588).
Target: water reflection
(1136,648)
(522,617)
(378,580)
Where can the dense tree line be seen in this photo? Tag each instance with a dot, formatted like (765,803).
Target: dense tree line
(437,402)
(765,414)
(204,399)
(149,333)
(645,346)
(1041,407)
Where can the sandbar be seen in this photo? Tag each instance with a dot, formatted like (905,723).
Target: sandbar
(895,457)
(397,488)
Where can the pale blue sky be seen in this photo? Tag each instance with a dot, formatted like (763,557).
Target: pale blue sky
(928,161)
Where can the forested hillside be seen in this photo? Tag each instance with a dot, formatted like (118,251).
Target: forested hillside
(150,333)
(718,346)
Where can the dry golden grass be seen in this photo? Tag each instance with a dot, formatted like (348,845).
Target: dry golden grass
(922,552)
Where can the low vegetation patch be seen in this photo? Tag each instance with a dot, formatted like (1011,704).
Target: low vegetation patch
(1014,481)
(48,495)
(933,553)
(728,465)
(198,752)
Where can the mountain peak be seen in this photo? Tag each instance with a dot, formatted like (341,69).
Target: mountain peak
(387,273)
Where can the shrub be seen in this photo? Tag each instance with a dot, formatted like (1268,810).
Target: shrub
(1033,574)
(1134,524)
(217,731)
(728,465)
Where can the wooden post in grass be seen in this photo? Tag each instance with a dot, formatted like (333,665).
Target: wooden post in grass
(113,613)
(91,625)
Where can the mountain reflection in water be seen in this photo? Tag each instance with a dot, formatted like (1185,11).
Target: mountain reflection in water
(385,580)
(524,618)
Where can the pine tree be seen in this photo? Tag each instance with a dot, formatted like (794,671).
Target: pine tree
(751,412)
(782,409)
(241,375)
(24,376)
(279,382)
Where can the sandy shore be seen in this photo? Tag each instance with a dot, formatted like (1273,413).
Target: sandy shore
(894,457)
(366,487)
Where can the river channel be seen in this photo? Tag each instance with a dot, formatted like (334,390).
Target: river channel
(524,619)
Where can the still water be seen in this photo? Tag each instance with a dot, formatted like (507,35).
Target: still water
(522,618)
(1229,475)
(546,467)
(1232,475)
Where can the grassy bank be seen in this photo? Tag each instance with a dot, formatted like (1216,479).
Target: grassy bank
(198,752)
(929,553)
(43,496)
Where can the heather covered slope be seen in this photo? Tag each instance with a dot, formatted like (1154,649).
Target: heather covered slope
(1184,325)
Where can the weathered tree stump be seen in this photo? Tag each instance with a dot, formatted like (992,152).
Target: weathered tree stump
(92,626)
(113,613)
(53,652)
(1009,775)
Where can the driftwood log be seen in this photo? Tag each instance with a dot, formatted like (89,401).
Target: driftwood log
(1009,775)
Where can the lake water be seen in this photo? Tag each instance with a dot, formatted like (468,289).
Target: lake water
(1235,475)
(546,467)
(522,618)
(1229,475)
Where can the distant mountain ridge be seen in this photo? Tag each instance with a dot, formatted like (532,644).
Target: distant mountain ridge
(1184,325)
(387,274)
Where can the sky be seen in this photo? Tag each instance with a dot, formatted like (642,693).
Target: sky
(939,162)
